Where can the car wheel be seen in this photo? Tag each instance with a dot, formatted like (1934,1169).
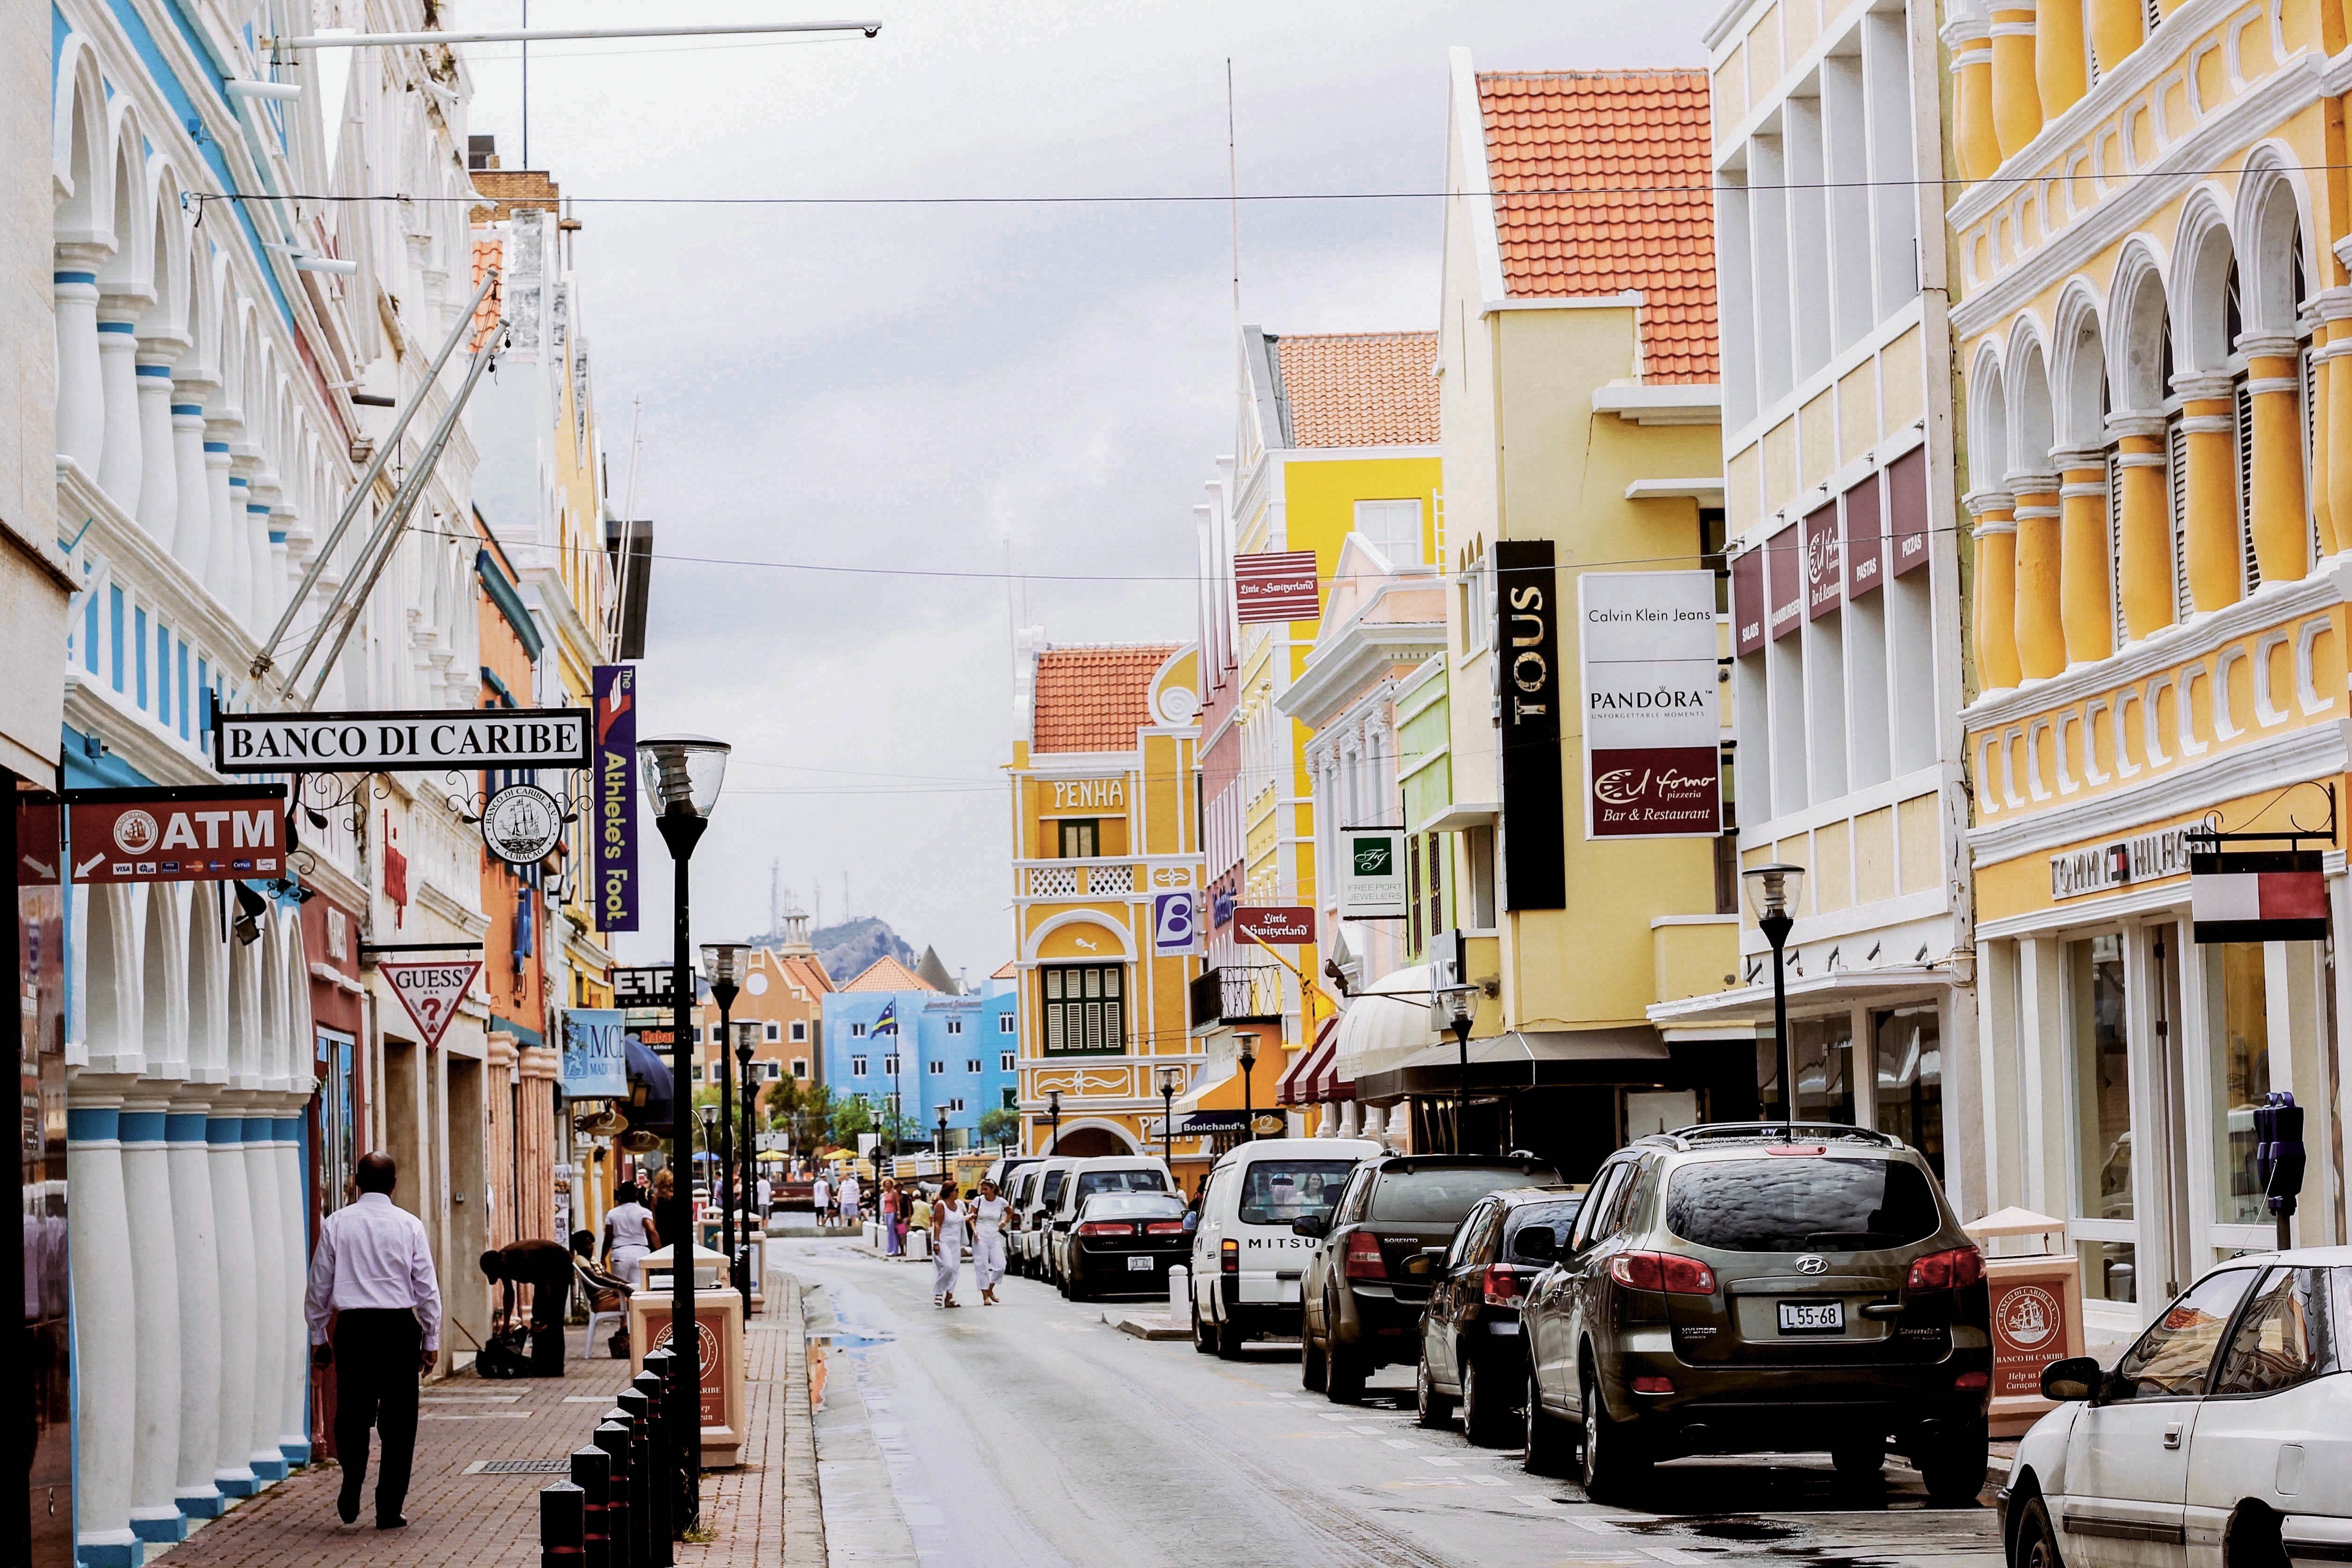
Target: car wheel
(1487,1399)
(1431,1408)
(1612,1462)
(1343,1374)
(1549,1450)
(2035,1544)
(1229,1342)
(1204,1333)
(1310,1362)
(1076,1286)
(1954,1468)
(1859,1459)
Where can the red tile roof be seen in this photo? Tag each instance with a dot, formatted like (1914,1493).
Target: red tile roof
(1359,389)
(1630,149)
(1012,971)
(487,253)
(886,974)
(1094,698)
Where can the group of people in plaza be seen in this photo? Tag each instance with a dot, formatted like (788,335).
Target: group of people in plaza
(836,1201)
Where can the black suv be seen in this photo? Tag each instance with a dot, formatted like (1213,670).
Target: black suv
(1470,1348)
(1361,1307)
(1753,1288)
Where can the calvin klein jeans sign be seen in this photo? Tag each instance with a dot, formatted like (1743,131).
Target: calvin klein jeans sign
(1652,739)
(418,740)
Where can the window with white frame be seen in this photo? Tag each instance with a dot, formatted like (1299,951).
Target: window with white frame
(1393,527)
(857,1067)
(856,1031)
(1004,1024)
(1004,1062)
(890,1064)
(800,1031)
(972,1064)
(938,1069)
(955,1026)
(775,1031)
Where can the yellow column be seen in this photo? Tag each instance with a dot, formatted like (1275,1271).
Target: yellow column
(2281,537)
(1974,138)
(2147,523)
(2085,610)
(2335,308)
(2041,622)
(2216,570)
(2116,30)
(2061,74)
(2016,102)
(2323,508)
(1996,589)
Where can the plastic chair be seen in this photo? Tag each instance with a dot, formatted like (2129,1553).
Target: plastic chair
(593,1281)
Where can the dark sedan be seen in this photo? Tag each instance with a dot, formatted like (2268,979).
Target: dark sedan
(1470,1350)
(1124,1242)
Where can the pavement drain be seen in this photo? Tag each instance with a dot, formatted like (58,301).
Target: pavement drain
(519,1466)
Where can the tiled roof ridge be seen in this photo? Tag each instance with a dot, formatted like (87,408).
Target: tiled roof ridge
(890,969)
(1617,73)
(1359,389)
(1367,335)
(1166,647)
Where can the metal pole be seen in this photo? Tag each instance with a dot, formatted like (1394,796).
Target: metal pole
(1461,1080)
(1775,927)
(1167,1131)
(680,829)
(723,1180)
(1249,1119)
(751,1184)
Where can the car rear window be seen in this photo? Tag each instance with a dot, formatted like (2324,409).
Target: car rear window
(1275,1192)
(1442,1194)
(1093,1181)
(1557,1218)
(1135,1206)
(1802,1203)
(1053,1186)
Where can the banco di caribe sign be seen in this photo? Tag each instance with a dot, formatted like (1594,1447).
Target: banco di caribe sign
(404,741)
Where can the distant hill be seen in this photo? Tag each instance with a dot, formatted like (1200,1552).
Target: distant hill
(849,948)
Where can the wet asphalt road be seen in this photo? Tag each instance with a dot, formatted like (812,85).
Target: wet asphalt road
(1034,1433)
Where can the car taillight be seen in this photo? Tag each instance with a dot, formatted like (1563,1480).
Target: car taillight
(1654,1386)
(1499,1285)
(1970,1380)
(1364,1259)
(1666,1271)
(1955,1270)
(1229,1256)
(1106,1228)
(1165,1228)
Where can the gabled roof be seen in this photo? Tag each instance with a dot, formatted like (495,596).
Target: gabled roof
(1094,698)
(1602,184)
(1012,971)
(886,974)
(1356,389)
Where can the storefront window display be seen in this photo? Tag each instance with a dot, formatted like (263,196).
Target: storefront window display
(2242,1076)
(1822,1049)
(2103,1131)
(1910,1066)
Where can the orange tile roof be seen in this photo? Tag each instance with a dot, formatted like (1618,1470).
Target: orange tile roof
(488,251)
(1094,698)
(886,974)
(1632,148)
(1359,389)
(1010,971)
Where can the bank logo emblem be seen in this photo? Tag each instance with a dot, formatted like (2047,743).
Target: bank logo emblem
(1813,1263)
(135,832)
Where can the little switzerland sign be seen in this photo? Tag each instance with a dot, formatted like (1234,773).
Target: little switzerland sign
(396,742)
(1275,925)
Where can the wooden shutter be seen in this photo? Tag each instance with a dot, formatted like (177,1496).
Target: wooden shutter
(2176,448)
(2245,406)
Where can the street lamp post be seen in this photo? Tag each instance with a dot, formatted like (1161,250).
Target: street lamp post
(1772,892)
(1461,1027)
(943,1146)
(1246,1052)
(682,778)
(751,1185)
(1053,1110)
(1169,1077)
(724,964)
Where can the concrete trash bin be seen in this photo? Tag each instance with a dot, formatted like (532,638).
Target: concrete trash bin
(2037,1313)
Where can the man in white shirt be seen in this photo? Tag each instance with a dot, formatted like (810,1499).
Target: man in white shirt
(374,1313)
(822,1196)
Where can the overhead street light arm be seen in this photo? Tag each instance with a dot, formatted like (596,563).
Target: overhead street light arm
(550,34)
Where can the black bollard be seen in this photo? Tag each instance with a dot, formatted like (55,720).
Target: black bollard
(620,1514)
(645,1475)
(563,1525)
(592,1472)
(661,1468)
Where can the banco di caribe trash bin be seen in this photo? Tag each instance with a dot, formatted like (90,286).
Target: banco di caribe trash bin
(719,1337)
(2037,1313)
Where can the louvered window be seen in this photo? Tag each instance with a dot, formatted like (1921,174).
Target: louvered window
(2116,543)
(2176,451)
(1082,1009)
(2155,14)
(2245,406)
(2312,478)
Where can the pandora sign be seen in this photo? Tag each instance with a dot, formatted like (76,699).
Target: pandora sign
(1652,739)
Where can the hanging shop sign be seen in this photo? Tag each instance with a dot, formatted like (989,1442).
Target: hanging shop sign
(1784,583)
(1747,602)
(196,834)
(1907,513)
(416,740)
(430,993)
(614,855)
(1371,874)
(2264,895)
(1175,924)
(1653,743)
(651,986)
(2145,859)
(595,1054)
(1866,546)
(1527,675)
(1278,585)
(1824,563)
(522,825)
(1275,925)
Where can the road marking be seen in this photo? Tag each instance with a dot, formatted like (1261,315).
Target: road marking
(1366,1431)
(1441,1461)
(1342,1415)
(1532,1501)
(1401,1443)
(471,1399)
(1598,1526)
(1488,1481)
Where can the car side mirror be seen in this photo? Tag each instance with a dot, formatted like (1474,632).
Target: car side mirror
(1537,1246)
(1317,1225)
(2075,1377)
(1425,1263)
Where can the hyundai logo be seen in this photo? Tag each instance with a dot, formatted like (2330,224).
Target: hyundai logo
(1813,1263)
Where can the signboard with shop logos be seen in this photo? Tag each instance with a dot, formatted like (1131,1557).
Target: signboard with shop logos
(1865,549)
(1175,924)
(1371,874)
(1652,739)
(1824,563)
(595,1054)
(1275,925)
(522,825)
(1526,698)
(649,987)
(198,834)
(2274,895)
(1277,585)
(2150,856)
(615,834)
(418,740)
(430,991)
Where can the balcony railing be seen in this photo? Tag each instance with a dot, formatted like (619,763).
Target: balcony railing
(1081,879)
(1238,993)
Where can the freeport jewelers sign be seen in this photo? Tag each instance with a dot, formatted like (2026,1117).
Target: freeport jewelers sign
(2164,853)
(1653,743)
(411,741)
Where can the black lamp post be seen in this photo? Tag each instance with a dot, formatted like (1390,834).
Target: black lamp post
(1053,1110)
(1461,1027)
(1169,1078)
(1246,1052)
(682,778)
(1771,891)
(750,1183)
(943,1146)
(724,964)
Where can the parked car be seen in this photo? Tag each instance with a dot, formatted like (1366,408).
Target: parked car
(1122,1242)
(1470,1350)
(1101,1174)
(1727,1290)
(1035,1208)
(2224,1435)
(1361,1309)
(1004,1167)
(1247,1261)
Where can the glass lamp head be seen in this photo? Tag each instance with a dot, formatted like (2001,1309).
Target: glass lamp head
(1246,1049)
(1774,888)
(683,773)
(725,963)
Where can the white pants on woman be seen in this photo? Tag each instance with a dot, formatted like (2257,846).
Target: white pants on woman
(947,1265)
(988,1257)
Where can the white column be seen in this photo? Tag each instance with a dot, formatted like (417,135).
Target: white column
(156,1513)
(194,1234)
(293,1201)
(81,400)
(248,581)
(98,1234)
(267,575)
(120,462)
(223,565)
(281,522)
(267,1326)
(159,480)
(192,535)
(233,1239)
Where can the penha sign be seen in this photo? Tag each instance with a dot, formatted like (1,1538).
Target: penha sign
(414,742)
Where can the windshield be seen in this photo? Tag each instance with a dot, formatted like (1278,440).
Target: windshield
(1093,1181)
(1442,1196)
(1053,1187)
(1558,1218)
(1275,1192)
(1802,1203)
(1134,1206)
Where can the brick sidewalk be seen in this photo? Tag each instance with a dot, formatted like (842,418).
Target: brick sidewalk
(458,1520)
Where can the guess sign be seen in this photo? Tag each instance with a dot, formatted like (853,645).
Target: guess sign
(430,993)
(177,835)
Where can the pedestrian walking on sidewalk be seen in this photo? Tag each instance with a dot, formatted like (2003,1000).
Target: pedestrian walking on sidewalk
(375,1314)
(950,1229)
(849,1198)
(988,1241)
(629,1233)
(821,1196)
(887,1206)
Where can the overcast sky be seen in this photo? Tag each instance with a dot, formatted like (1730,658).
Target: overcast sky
(952,387)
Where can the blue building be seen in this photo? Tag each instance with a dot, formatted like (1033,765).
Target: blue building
(888,1033)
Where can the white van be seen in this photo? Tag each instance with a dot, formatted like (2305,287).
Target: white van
(1025,1245)
(1099,1173)
(1247,1261)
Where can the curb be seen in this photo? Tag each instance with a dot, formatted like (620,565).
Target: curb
(1148,1326)
(804,1544)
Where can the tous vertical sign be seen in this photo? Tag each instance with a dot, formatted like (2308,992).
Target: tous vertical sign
(1651,742)
(614,834)
(1526,676)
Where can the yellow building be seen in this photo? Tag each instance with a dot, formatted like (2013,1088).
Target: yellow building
(2151,317)
(1337,439)
(1102,824)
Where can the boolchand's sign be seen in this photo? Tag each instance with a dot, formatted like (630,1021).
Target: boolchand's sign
(1652,739)
(412,741)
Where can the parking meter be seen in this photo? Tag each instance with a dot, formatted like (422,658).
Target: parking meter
(2279,1156)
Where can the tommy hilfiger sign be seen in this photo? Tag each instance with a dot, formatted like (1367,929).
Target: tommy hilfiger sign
(2264,895)
(2150,856)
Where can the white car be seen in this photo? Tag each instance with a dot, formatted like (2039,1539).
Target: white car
(1246,1259)
(1034,1207)
(2222,1438)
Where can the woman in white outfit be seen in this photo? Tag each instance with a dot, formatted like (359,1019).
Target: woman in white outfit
(950,1230)
(629,1235)
(988,1241)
